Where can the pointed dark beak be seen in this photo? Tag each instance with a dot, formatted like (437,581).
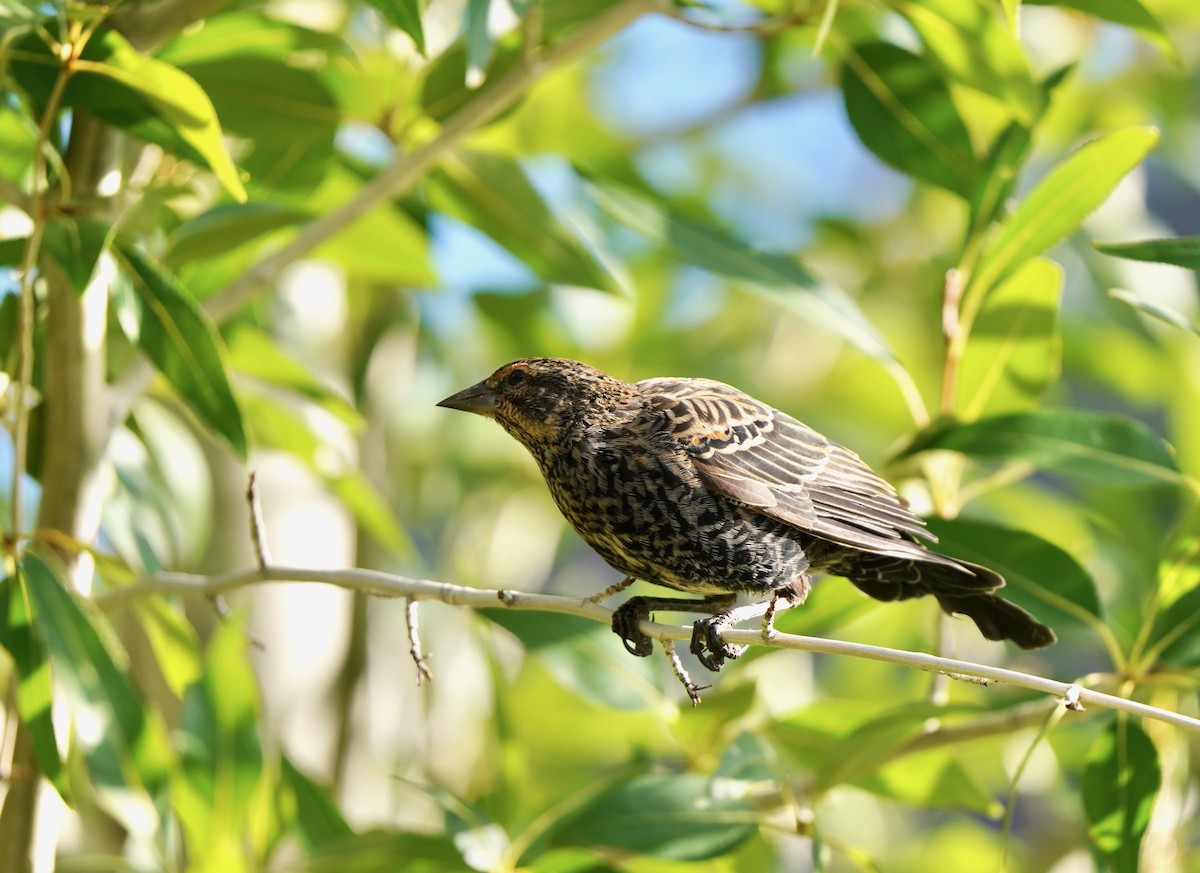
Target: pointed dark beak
(479,399)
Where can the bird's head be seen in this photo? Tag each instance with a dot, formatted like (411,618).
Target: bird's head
(542,400)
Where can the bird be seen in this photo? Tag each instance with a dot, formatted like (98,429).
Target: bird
(696,486)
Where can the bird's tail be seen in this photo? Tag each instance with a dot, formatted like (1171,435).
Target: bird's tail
(960,588)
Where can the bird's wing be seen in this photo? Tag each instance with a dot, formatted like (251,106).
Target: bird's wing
(748,452)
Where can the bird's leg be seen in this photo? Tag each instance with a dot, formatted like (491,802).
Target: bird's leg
(627,616)
(713,651)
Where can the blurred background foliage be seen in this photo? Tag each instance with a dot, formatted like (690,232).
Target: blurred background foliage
(878,216)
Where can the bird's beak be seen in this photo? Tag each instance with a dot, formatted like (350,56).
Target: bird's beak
(479,399)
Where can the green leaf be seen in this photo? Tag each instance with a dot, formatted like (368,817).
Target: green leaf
(404,14)
(1174,636)
(35,690)
(274,425)
(122,739)
(173,639)
(1014,351)
(220,754)
(76,247)
(1105,448)
(253,353)
(387,245)
(781,280)
(228,226)
(318,823)
(1040,576)
(1120,784)
(1154,309)
(479,41)
(492,193)
(975,48)
(1129,13)
(1179,251)
(933,780)
(586,658)
(240,33)
(147,97)
(183,343)
(1057,206)
(665,815)
(902,111)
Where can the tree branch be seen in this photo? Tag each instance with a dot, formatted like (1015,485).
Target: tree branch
(387,585)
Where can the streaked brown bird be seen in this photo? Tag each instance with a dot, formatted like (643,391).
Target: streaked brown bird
(692,484)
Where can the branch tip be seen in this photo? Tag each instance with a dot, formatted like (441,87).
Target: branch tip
(693,690)
(420,659)
(258,538)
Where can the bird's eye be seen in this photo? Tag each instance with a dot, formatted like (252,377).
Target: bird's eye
(516,377)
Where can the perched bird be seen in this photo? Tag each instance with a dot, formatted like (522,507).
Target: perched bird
(695,485)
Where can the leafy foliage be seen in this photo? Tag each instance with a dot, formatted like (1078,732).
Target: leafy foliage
(272,237)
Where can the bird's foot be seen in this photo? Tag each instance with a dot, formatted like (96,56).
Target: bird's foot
(707,645)
(625,620)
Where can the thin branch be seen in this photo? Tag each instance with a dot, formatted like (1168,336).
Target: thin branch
(11,193)
(420,659)
(375,582)
(258,538)
(693,690)
(762,27)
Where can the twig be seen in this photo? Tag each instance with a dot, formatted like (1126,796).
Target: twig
(257,536)
(414,643)
(608,592)
(376,582)
(762,27)
(693,690)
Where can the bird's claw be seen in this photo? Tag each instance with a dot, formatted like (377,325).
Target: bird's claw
(707,645)
(625,620)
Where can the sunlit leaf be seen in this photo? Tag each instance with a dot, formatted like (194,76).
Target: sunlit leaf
(1014,351)
(173,639)
(902,111)
(1058,205)
(76,247)
(1040,576)
(404,14)
(1175,635)
(1129,13)
(492,193)
(1154,309)
(936,779)
(35,690)
(1092,445)
(318,823)
(123,740)
(666,815)
(236,34)
(1179,251)
(781,280)
(1120,784)
(185,346)
(977,49)
(220,754)
(227,226)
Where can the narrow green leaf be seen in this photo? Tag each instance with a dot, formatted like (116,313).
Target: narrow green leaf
(274,425)
(1040,576)
(1105,448)
(1014,351)
(1129,13)
(246,32)
(1179,251)
(445,90)
(125,744)
(318,823)
(253,353)
(220,754)
(404,14)
(666,815)
(1058,205)
(937,779)
(76,247)
(972,44)
(1012,14)
(183,343)
(1174,637)
(173,639)
(1154,309)
(227,226)
(492,193)
(1120,784)
(903,112)
(479,41)
(35,690)
(783,281)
